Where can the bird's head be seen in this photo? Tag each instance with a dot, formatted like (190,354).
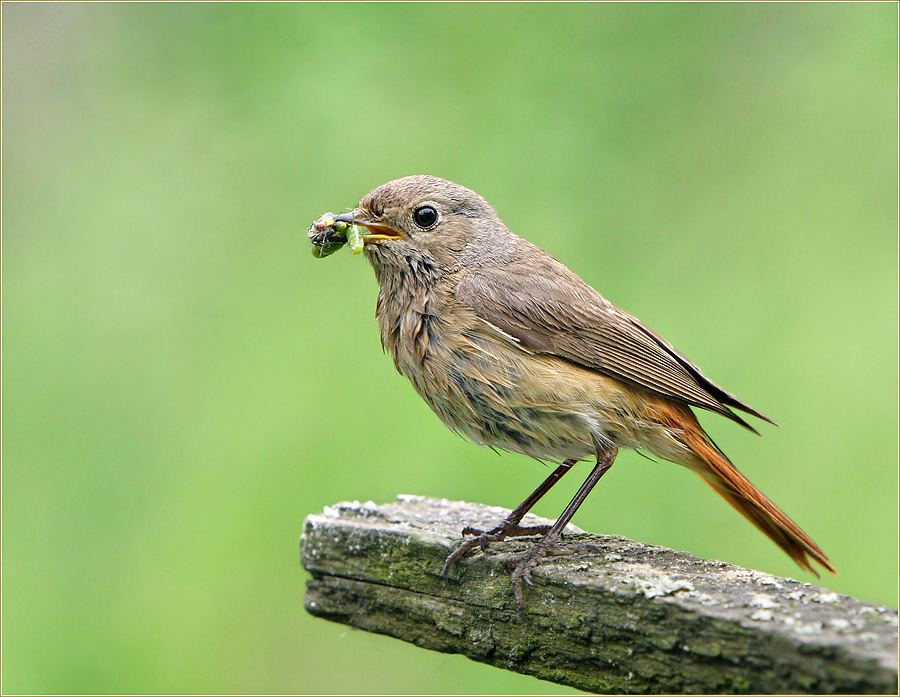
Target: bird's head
(424,215)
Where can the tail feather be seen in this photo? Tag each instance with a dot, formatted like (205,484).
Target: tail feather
(717,471)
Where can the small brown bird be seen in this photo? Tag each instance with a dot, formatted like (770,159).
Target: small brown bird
(513,350)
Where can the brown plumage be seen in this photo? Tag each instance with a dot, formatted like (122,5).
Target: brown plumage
(716,469)
(513,350)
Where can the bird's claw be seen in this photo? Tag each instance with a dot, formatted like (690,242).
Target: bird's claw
(475,531)
(524,564)
(484,538)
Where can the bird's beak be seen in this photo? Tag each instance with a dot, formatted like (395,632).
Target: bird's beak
(377,231)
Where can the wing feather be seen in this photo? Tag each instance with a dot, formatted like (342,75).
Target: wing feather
(548,309)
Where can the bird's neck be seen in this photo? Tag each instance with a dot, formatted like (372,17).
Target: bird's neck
(410,299)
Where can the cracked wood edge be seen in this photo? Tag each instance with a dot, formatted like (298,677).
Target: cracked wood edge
(633,618)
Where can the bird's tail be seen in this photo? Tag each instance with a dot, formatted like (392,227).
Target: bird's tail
(717,471)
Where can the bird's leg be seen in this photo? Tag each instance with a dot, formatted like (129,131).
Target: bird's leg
(606,455)
(510,526)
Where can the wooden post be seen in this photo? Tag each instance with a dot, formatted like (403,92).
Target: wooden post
(632,618)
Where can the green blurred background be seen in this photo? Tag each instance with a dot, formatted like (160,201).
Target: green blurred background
(183,383)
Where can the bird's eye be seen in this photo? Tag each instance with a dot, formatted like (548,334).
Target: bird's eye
(426,217)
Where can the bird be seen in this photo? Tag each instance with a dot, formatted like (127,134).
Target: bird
(514,351)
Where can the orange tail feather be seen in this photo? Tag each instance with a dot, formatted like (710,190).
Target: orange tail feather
(717,471)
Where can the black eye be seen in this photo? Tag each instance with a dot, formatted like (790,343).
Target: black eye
(426,217)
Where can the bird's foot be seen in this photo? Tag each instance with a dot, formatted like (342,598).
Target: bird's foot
(483,538)
(524,563)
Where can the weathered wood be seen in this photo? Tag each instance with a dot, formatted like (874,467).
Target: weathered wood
(631,619)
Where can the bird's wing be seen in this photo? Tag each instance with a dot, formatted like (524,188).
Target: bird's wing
(547,308)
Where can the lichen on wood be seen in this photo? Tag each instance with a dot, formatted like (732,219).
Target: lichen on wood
(632,618)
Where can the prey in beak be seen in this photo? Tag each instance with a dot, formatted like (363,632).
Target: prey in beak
(331,232)
(376,231)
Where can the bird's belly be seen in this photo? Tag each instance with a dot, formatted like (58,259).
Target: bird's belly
(538,405)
